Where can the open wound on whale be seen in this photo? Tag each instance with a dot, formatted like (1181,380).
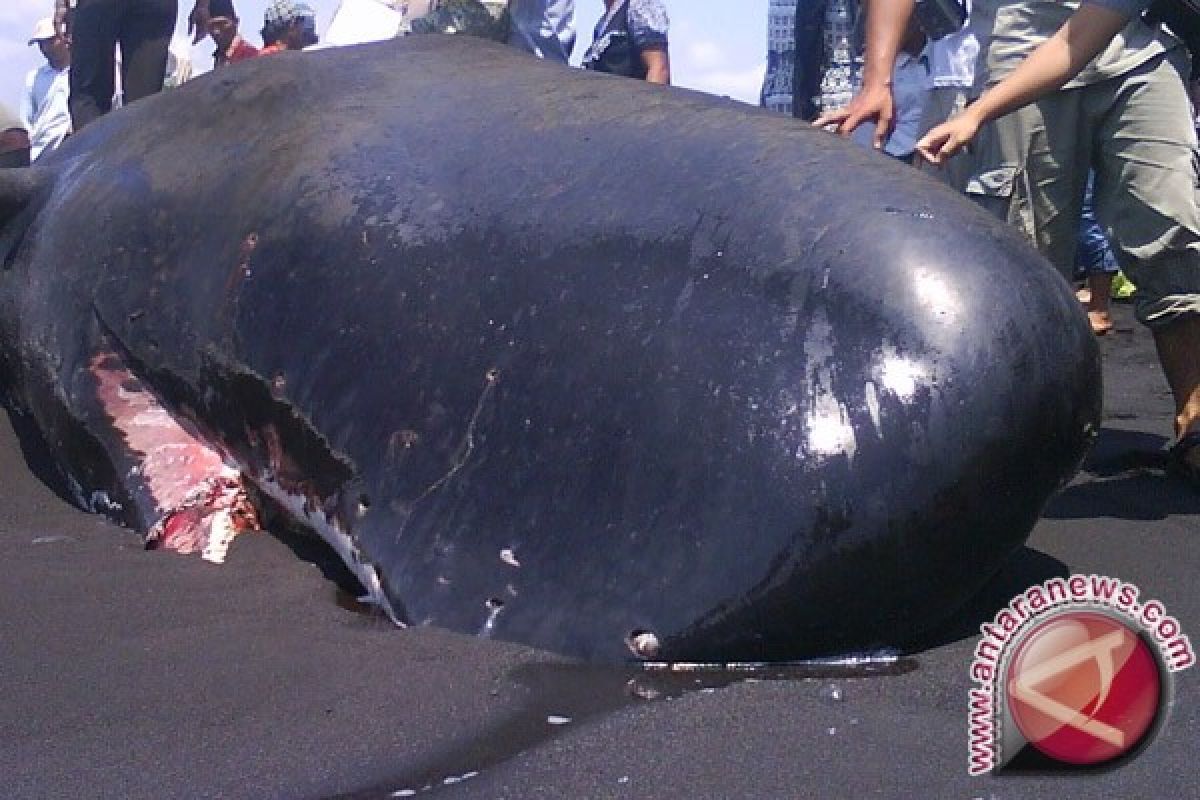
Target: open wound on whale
(201,494)
(200,499)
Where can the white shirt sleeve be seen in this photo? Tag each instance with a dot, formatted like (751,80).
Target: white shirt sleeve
(28,112)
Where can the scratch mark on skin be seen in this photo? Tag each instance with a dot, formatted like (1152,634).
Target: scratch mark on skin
(241,270)
(463,454)
(494,606)
(400,441)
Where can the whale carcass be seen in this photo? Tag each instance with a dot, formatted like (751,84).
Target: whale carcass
(608,369)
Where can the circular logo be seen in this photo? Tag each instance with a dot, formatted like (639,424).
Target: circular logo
(1083,688)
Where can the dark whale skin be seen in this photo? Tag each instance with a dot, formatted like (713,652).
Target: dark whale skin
(567,357)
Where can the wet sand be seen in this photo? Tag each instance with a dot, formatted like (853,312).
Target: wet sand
(129,674)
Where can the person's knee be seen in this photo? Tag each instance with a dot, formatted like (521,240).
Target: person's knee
(146,69)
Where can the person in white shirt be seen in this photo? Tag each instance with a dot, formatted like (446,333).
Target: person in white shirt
(45,112)
(361,21)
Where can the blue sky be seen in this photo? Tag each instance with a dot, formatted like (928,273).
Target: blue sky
(713,48)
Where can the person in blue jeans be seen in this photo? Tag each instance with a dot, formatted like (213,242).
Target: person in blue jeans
(1096,264)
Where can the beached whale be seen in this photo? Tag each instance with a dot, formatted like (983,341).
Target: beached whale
(605,368)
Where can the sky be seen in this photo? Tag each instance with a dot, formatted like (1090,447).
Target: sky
(712,49)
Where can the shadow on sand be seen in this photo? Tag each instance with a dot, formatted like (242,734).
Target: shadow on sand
(1025,568)
(1126,477)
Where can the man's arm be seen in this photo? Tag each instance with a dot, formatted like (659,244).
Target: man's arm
(62,10)
(1057,60)
(657,63)
(886,22)
(647,25)
(27,112)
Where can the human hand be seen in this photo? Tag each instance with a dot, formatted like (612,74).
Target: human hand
(873,102)
(60,17)
(946,139)
(198,21)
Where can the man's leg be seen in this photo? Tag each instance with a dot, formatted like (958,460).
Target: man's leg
(93,44)
(145,35)
(1030,169)
(1098,263)
(943,103)
(1179,352)
(1099,301)
(1146,194)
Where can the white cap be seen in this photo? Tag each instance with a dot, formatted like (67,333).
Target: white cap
(44,29)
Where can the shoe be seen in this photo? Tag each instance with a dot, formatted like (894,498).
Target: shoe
(1183,459)
(1122,289)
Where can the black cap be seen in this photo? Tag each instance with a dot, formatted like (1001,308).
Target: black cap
(221,8)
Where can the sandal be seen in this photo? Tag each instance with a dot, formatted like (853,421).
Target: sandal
(1183,459)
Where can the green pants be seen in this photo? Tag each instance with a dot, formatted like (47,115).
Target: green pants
(1136,131)
(943,103)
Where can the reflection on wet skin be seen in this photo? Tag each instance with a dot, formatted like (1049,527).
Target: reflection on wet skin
(555,697)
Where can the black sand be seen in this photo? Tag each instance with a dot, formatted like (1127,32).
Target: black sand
(129,674)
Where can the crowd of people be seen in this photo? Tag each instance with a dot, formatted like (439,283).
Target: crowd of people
(80,79)
(1071,119)
(1077,126)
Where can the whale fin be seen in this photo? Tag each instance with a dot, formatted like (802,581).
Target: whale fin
(18,187)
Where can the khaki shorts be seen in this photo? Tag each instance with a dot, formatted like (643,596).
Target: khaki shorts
(943,103)
(1136,131)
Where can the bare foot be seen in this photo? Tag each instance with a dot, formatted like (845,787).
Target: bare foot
(1099,292)
(1101,322)
(1084,295)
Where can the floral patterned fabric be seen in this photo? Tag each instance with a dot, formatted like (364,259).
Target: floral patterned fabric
(648,22)
(648,25)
